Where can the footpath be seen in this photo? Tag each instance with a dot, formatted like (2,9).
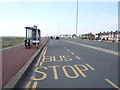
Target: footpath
(15,58)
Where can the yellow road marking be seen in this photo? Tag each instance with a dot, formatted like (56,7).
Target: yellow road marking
(55,71)
(35,85)
(67,58)
(78,57)
(61,58)
(41,63)
(45,51)
(90,66)
(66,73)
(114,85)
(80,70)
(54,59)
(42,54)
(40,57)
(28,84)
(46,58)
(37,71)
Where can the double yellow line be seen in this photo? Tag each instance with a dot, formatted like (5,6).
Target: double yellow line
(37,64)
(42,55)
(33,86)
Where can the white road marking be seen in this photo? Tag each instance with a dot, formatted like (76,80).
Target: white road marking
(97,48)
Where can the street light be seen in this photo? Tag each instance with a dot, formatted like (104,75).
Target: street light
(37,35)
(58,28)
(76,19)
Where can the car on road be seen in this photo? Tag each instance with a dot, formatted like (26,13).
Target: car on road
(57,38)
(51,37)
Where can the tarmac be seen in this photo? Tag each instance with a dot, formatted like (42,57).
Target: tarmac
(15,62)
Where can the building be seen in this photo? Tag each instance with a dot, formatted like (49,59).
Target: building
(66,36)
(97,36)
(88,36)
(108,35)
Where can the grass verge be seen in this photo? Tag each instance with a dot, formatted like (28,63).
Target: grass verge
(11,41)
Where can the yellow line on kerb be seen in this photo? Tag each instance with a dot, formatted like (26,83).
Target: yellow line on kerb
(28,84)
(40,57)
(114,85)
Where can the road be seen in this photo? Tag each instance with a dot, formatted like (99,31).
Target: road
(63,64)
(99,44)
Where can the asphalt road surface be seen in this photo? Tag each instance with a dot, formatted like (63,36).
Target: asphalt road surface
(62,64)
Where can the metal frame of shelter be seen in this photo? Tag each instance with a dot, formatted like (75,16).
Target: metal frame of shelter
(33,36)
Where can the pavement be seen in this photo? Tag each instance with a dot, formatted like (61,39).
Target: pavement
(13,59)
(62,64)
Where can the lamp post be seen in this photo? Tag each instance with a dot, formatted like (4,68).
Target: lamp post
(76,19)
(58,28)
(37,36)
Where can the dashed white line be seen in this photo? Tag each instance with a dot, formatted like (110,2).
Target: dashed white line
(78,57)
(72,53)
(97,48)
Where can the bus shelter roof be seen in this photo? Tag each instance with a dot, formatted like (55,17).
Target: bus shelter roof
(31,28)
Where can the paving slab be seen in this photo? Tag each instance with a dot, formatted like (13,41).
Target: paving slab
(13,59)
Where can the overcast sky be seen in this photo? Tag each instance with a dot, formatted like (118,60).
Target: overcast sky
(93,17)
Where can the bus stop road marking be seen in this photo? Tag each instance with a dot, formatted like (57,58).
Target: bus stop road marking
(114,85)
(90,66)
